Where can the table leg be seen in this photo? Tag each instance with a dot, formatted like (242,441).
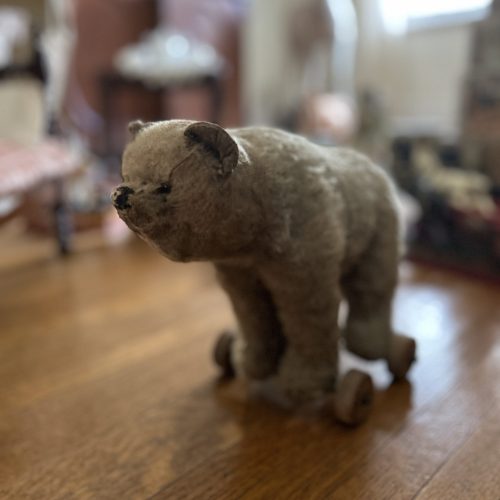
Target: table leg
(216,91)
(63,224)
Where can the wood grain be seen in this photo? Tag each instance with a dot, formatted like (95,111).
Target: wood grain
(107,390)
(474,470)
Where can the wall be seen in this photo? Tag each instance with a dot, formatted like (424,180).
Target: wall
(420,74)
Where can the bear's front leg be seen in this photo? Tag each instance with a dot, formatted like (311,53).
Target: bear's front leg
(307,298)
(259,344)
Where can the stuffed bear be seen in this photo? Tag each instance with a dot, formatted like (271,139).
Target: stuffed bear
(292,228)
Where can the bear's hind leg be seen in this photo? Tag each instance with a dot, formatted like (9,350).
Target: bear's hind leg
(369,290)
(368,331)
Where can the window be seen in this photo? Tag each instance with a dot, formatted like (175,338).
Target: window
(400,15)
(430,8)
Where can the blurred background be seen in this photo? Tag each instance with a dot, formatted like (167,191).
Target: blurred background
(414,84)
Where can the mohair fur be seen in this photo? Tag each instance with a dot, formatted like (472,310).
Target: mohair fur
(291,227)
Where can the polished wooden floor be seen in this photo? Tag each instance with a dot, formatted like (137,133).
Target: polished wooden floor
(107,390)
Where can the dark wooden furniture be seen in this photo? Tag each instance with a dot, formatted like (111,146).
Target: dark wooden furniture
(113,83)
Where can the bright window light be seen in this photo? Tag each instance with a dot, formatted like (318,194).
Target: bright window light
(397,13)
(427,8)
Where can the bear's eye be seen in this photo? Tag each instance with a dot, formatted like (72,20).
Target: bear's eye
(164,188)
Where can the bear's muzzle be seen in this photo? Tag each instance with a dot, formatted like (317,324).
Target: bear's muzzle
(120,197)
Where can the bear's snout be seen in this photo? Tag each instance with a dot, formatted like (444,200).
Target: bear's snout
(120,197)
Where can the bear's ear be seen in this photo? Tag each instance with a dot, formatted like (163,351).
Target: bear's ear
(136,126)
(217,143)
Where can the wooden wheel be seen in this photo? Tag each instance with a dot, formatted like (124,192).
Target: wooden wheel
(222,353)
(352,402)
(401,356)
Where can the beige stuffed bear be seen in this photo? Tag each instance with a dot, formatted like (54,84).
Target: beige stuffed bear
(291,228)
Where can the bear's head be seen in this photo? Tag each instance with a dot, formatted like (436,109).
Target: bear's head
(184,190)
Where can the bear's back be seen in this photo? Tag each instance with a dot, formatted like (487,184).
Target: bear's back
(343,190)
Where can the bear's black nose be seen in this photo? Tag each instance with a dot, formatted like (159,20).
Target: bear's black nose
(120,200)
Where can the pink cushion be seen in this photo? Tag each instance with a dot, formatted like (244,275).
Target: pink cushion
(22,167)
